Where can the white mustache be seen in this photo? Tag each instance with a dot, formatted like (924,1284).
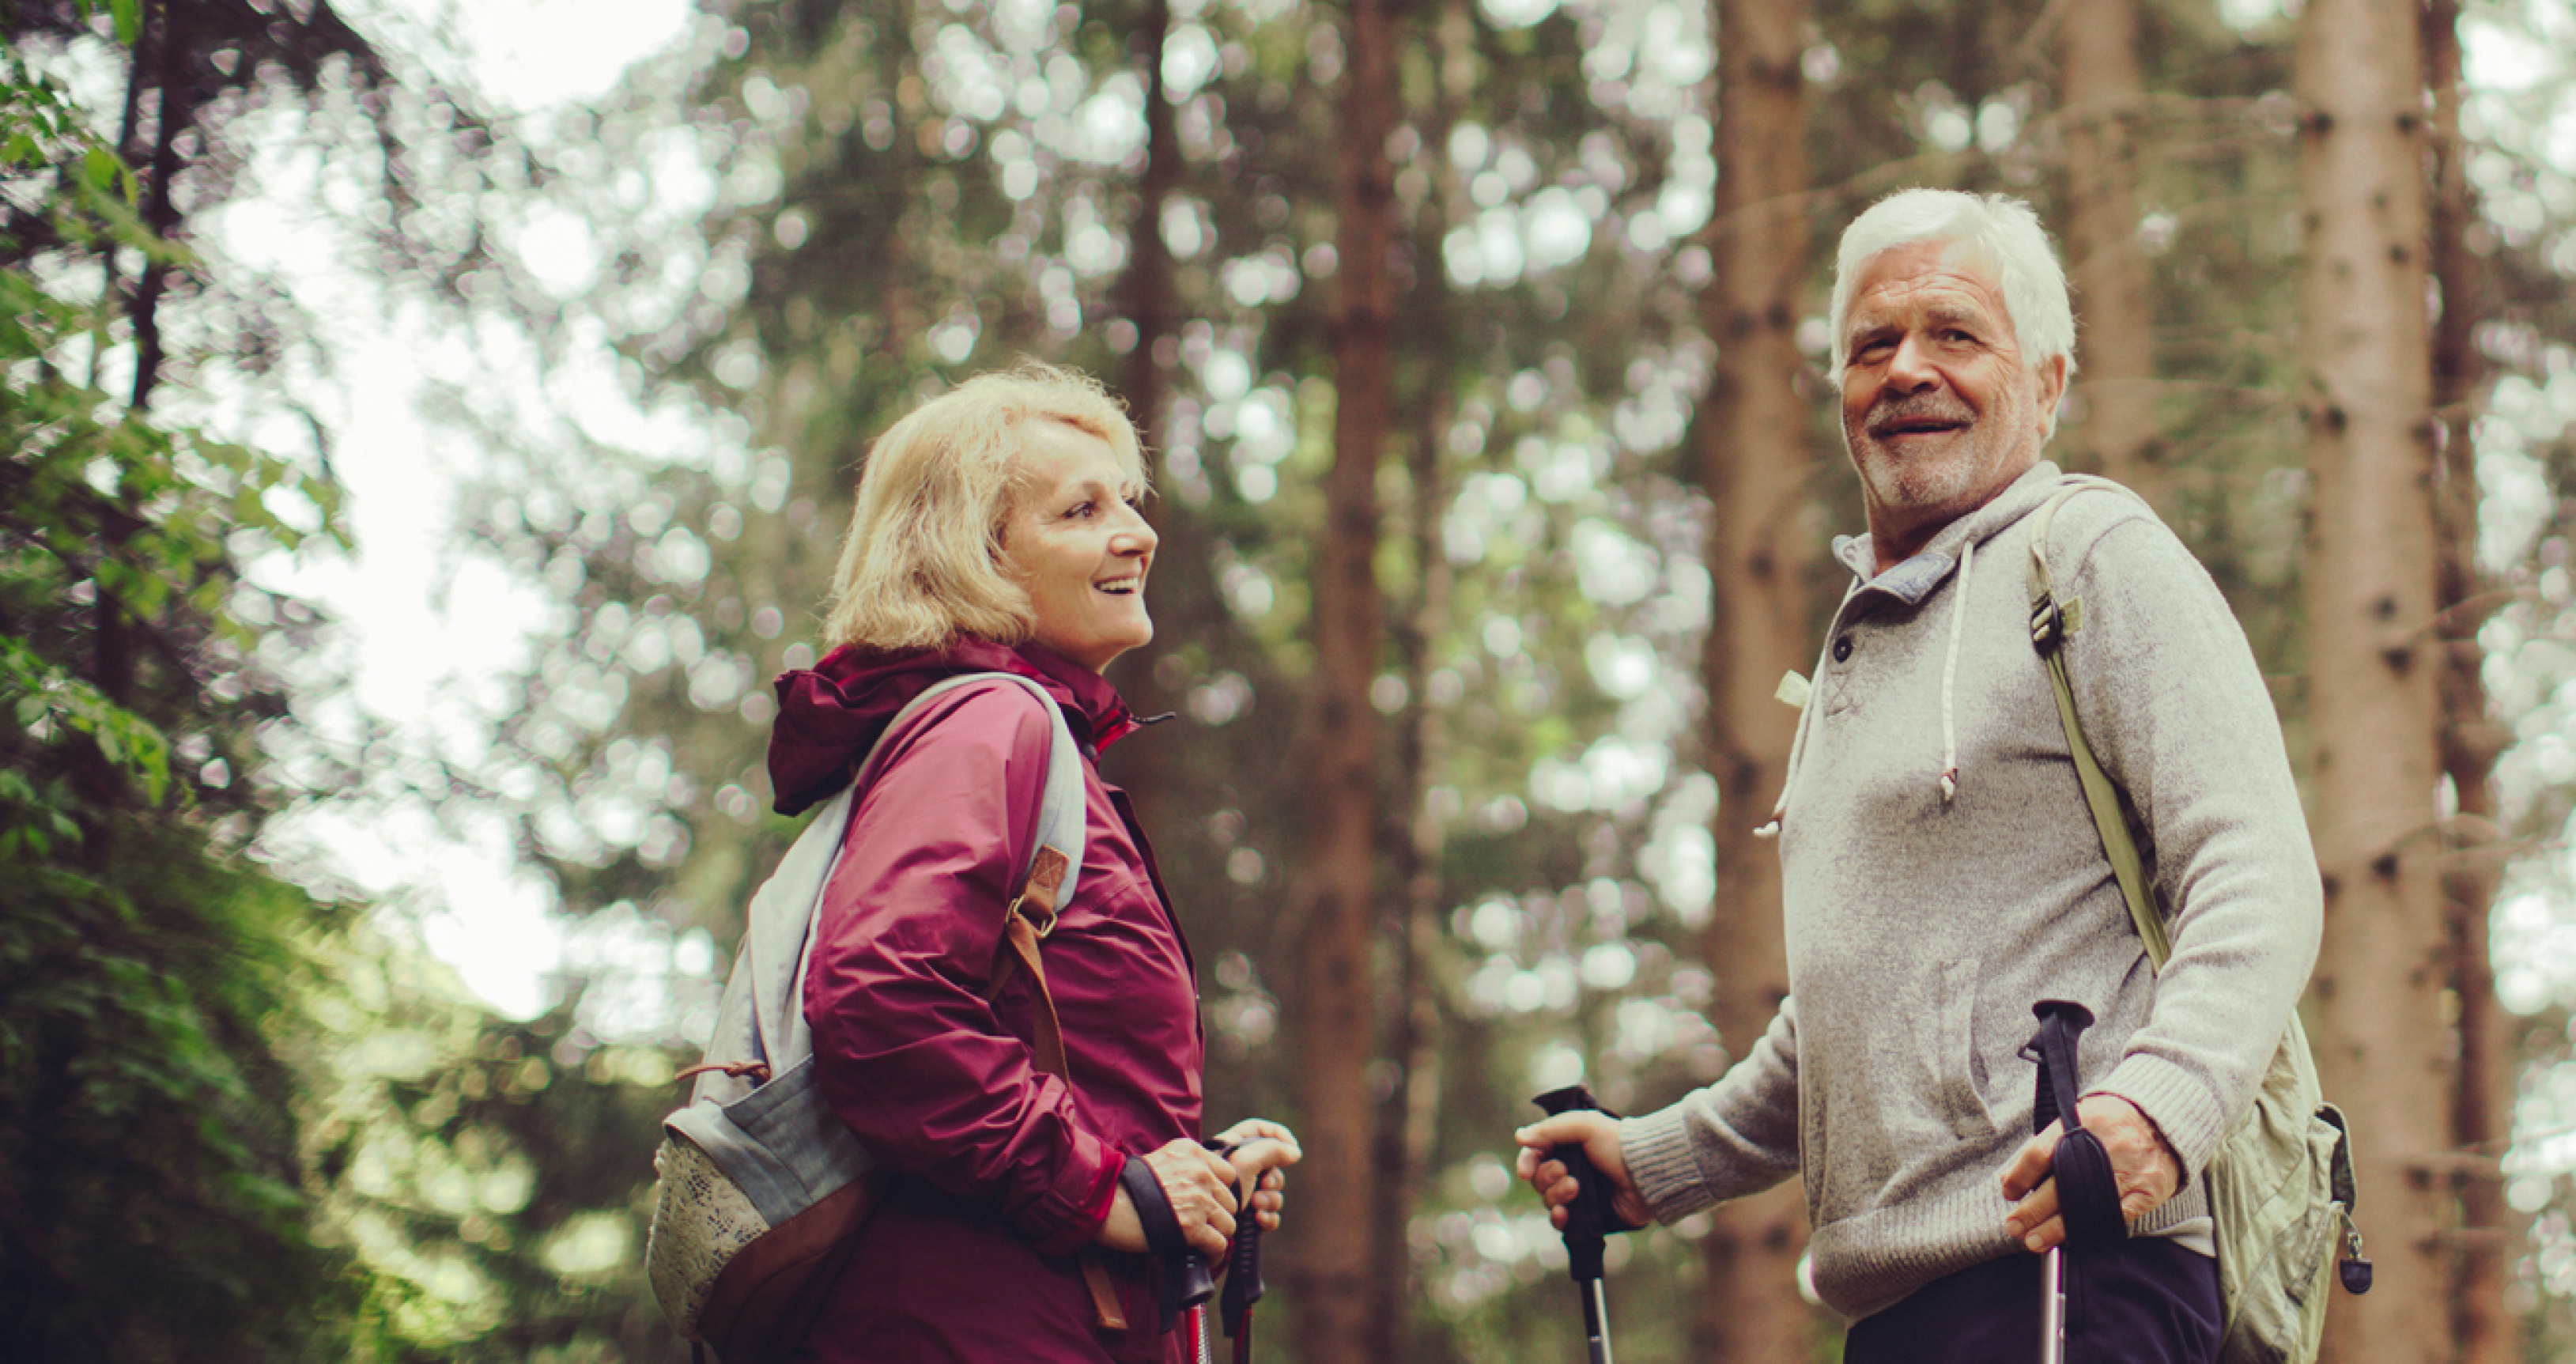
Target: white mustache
(1887,414)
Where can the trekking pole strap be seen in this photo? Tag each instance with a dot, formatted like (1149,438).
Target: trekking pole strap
(2088,1191)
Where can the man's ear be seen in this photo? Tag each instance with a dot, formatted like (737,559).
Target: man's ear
(2052,392)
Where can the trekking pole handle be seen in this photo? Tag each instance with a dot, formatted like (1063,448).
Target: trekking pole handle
(1243,1285)
(1588,1219)
(2061,1024)
(2058,1018)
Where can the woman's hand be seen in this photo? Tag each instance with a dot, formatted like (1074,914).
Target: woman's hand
(1198,1183)
(1262,1152)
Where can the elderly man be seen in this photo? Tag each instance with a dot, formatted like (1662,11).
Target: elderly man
(1941,871)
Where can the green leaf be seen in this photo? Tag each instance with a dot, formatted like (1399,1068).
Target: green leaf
(129,20)
(107,173)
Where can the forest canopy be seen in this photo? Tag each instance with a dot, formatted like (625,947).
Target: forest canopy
(1480,350)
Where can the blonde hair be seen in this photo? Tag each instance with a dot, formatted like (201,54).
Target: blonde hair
(921,565)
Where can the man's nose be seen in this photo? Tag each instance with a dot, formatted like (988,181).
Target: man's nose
(1910,369)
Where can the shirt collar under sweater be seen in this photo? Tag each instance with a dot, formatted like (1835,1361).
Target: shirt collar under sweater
(1911,581)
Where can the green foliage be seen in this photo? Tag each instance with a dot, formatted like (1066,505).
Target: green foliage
(151,1201)
(482,1175)
(908,196)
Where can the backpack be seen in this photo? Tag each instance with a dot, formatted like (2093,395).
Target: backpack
(760,1187)
(2281,1185)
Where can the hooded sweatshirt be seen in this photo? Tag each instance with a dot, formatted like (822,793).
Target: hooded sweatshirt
(1000,1172)
(1941,873)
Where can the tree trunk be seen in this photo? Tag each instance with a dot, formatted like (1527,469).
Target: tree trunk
(2383,1039)
(2099,95)
(1409,1125)
(2470,739)
(1755,462)
(173,91)
(1335,1003)
(1184,607)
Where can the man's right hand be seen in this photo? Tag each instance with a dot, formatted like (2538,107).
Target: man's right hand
(1598,1134)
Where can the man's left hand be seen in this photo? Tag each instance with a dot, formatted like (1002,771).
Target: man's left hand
(2141,1164)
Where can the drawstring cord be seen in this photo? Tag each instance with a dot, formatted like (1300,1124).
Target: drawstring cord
(1950,677)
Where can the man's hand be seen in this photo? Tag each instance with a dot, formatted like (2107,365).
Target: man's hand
(1598,1134)
(2142,1165)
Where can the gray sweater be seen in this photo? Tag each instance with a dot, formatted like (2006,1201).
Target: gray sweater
(1921,927)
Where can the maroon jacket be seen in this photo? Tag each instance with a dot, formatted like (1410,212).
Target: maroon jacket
(1001,1172)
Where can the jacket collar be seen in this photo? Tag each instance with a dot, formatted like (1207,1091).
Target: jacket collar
(830,715)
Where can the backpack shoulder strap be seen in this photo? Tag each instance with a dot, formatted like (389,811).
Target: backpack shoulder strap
(1055,856)
(781,942)
(1046,886)
(2051,623)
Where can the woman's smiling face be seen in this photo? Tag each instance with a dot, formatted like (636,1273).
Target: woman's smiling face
(1076,544)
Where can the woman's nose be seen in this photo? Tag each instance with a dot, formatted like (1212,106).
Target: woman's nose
(1134,534)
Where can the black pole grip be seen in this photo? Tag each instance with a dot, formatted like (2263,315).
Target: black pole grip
(1243,1285)
(1185,1280)
(1589,1218)
(2061,1023)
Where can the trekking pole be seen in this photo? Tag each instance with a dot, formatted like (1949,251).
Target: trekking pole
(1242,1283)
(2088,1199)
(1197,1285)
(1587,1221)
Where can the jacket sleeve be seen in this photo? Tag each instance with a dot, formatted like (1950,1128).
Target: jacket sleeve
(1736,1137)
(905,1047)
(2176,708)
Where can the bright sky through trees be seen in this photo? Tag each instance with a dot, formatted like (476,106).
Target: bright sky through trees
(428,630)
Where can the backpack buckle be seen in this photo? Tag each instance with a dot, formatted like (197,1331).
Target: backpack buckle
(1041,916)
(2046,625)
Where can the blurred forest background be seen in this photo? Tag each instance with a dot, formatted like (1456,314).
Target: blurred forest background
(1480,346)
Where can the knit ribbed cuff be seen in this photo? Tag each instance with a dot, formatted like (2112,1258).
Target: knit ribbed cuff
(1657,1148)
(2177,1102)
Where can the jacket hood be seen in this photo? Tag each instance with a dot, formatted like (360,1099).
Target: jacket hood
(830,715)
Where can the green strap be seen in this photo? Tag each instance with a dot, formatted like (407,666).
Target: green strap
(2050,625)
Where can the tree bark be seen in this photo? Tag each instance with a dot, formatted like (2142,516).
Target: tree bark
(2384,1048)
(174,94)
(2099,94)
(1754,460)
(1147,296)
(1335,1004)
(2470,739)
(1416,1019)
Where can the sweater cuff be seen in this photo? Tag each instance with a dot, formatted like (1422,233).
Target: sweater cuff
(2177,1102)
(1657,1148)
(1071,1212)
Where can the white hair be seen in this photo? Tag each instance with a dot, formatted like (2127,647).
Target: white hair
(2007,239)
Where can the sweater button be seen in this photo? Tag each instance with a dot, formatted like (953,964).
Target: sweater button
(1842,649)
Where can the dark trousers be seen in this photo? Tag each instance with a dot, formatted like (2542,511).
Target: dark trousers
(2146,1301)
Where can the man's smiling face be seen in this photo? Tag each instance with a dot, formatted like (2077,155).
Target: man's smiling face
(1940,411)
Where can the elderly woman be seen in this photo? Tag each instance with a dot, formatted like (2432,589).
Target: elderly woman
(996,531)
